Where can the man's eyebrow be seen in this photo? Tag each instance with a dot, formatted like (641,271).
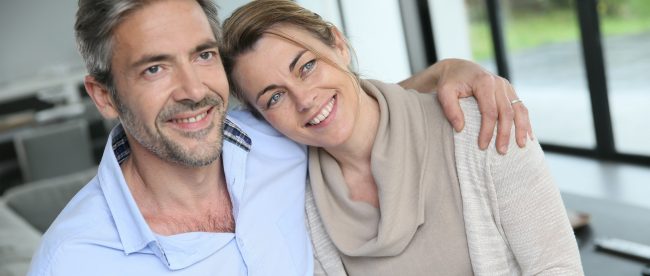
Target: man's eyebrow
(163,57)
(206,45)
(295,60)
(150,59)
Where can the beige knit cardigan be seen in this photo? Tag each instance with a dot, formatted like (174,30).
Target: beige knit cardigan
(515,221)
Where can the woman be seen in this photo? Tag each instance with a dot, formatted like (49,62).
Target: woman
(392,201)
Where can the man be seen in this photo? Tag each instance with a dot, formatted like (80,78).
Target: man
(182,188)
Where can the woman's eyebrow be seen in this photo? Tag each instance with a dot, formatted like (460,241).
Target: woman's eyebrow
(295,60)
(292,65)
(266,89)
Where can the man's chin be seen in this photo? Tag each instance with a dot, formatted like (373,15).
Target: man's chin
(197,163)
(192,160)
(191,152)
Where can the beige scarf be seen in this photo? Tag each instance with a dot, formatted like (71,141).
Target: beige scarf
(419,226)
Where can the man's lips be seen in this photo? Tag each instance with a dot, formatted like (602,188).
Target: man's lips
(189,120)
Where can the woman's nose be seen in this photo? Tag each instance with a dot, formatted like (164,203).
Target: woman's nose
(305,100)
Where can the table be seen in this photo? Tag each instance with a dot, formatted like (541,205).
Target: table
(609,219)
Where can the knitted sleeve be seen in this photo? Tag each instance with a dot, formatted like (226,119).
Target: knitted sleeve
(327,260)
(515,219)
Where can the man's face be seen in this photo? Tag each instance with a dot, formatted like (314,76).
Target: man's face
(172,88)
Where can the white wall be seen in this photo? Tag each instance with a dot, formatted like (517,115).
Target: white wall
(327,9)
(450,22)
(226,7)
(36,38)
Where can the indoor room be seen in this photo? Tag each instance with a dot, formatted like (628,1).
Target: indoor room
(580,68)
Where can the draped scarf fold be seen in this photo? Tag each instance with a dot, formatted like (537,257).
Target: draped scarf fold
(357,228)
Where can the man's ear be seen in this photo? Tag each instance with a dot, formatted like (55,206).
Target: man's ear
(341,45)
(101,97)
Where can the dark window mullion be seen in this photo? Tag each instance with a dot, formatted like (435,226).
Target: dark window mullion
(427,31)
(498,43)
(418,33)
(595,68)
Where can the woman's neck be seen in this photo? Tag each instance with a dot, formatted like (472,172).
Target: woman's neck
(353,156)
(357,149)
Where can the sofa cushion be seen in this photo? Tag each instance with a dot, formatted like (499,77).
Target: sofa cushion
(18,241)
(40,202)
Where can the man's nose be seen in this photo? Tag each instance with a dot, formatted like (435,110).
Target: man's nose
(191,85)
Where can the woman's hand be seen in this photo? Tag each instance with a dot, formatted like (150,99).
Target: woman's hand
(456,78)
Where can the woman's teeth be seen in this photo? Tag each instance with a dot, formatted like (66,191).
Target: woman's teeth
(324,113)
(191,119)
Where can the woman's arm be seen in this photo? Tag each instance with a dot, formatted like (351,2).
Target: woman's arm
(457,78)
(512,208)
(533,216)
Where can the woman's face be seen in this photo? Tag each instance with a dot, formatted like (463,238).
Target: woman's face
(302,95)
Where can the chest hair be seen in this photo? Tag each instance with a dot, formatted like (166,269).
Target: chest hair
(215,221)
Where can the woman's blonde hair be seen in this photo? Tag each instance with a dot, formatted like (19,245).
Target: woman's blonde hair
(250,22)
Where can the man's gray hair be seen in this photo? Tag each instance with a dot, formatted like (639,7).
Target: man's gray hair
(96,21)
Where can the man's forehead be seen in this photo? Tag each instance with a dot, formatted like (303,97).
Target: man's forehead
(164,27)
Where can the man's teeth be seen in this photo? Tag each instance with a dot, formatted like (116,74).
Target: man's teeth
(324,113)
(190,119)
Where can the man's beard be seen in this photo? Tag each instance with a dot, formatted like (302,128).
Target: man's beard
(164,146)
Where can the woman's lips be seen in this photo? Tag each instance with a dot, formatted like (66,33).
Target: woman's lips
(324,113)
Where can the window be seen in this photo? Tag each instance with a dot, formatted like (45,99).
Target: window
(542,43)
(625,27)
(582,68)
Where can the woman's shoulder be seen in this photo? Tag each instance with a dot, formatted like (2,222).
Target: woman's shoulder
(397,96)
(467,140)
(466,145)
(392,88)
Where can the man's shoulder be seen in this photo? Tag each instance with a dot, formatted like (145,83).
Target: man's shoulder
(75,255)
(83,227)
(88,205)
(251,124)
(264,138)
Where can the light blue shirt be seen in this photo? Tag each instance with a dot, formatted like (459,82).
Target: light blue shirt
(102,232)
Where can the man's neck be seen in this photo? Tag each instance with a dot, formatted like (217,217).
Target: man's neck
(176,199)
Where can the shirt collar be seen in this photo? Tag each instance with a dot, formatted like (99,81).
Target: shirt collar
(134,232)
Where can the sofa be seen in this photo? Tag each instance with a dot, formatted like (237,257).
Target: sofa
(26,211)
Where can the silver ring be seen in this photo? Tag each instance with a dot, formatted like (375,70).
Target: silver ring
(516,101)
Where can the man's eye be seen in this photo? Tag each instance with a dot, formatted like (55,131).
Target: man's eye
(206,55)
(274,99)
(152,70)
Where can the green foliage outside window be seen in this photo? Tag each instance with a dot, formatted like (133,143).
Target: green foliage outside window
(532,23)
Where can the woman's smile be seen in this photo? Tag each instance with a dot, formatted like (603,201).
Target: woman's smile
(324,114)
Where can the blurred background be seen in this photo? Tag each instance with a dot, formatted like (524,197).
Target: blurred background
(582,68)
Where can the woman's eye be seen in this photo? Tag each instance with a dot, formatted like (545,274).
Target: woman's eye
(274,99)
(152,70)
(308,67)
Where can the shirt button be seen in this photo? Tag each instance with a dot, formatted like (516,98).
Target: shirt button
(241,242)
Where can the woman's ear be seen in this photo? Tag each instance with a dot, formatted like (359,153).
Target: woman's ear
(341,45)
(101,97)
